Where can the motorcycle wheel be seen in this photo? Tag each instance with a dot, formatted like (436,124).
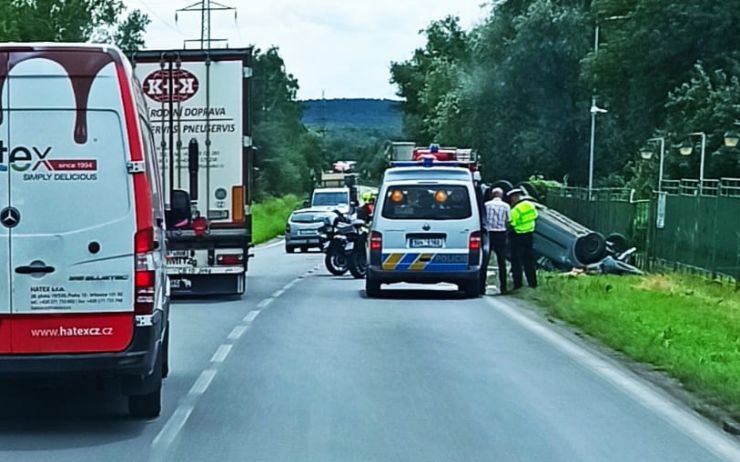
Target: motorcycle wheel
(336,262)
(358,264)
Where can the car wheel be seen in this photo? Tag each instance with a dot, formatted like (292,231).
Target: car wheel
(372,287)
(289,249)
(166,353)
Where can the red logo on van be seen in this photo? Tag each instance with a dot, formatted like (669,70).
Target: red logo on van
(157,85)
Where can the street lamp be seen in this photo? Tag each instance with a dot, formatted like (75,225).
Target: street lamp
(732,138)
(647,154)
(595,110)
(687,148)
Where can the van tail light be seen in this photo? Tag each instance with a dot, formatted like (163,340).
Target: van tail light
(230,260)
(474,246)
(376,248)
(200,226)
(376,242)
(238,199)
(144,276)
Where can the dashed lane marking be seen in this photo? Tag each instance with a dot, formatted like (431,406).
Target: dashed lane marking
(220,355)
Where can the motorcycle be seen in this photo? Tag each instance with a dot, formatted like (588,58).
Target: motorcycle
(345,245)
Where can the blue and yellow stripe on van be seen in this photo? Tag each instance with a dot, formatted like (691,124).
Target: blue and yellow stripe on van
(424,262)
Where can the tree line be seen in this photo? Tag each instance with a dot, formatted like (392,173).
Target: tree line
(518,87)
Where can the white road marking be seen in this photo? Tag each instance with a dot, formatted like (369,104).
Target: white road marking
(270,246)
(237,332)
(265,303)
(169,432)
(251,316)
(687,422)
(221,353)
(204,381)
(278,293)
(289,285)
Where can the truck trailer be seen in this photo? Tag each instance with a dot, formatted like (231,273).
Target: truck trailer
(199,110)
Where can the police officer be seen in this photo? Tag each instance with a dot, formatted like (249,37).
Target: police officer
(522,219)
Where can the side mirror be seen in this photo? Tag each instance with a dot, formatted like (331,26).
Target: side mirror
(306,204)
(193,164)
(179,208)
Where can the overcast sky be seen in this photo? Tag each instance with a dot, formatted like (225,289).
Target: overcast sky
(343,47)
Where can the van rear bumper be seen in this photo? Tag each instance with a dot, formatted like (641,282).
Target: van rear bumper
(421,277)
(137,360)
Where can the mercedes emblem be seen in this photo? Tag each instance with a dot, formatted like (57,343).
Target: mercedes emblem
(10,217)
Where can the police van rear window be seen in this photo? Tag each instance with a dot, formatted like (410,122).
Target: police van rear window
(427,202)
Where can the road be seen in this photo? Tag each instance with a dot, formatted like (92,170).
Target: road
(307,369)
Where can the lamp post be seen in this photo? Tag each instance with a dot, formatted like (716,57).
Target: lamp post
(595,110)
(647,154)
(687,148)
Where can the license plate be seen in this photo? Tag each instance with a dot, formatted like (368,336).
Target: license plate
(307,232)
(179,253)
(418,243)
(181,283)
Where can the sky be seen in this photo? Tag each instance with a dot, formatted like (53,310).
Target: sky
(341,47)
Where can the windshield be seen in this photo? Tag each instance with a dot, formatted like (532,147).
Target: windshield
(421,202)
(307,217)
(330,198)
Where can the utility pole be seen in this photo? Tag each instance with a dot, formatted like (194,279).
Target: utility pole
(205,7)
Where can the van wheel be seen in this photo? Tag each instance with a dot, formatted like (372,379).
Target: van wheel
(145,402)
(372,288)
(146,406)
(471,288)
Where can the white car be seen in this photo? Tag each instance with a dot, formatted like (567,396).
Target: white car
(83,287)
(426,229)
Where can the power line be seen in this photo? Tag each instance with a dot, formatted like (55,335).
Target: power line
(160,18)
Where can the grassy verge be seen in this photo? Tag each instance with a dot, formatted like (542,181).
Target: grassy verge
(270,217)
(686,326)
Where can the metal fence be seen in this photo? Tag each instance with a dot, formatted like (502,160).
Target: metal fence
(678,228)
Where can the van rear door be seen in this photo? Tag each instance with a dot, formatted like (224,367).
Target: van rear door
(71,255)
(5,215)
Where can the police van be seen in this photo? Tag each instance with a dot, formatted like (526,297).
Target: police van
(426,227)
(83,288)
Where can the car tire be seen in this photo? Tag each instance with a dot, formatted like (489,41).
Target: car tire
(372,287)
(289,249)
(590,248)
(618,243)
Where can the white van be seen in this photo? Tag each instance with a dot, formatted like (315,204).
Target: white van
(426,229)
(330,199)
(83,288)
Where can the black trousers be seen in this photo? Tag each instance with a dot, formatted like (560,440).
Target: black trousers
(498,248)
(522,257)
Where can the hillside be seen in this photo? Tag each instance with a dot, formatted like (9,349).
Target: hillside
(382,117)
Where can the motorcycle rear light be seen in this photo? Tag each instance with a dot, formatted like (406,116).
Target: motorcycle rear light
(200,226)
(230,260)
(376,242)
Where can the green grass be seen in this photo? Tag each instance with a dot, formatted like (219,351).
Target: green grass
(686,326)
(270,217)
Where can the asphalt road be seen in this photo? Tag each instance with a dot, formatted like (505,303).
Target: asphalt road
(305,368)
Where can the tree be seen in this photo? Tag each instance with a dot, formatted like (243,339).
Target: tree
(72,21)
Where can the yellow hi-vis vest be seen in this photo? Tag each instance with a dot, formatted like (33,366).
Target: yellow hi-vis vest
(523,217)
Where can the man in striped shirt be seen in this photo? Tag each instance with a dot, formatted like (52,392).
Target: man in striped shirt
(497,219)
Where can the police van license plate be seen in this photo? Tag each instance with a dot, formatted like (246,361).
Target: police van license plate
(421,243)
